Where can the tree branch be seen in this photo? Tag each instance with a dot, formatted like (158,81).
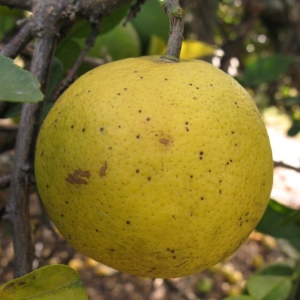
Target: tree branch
(15,46)
(283,165)
(175,14)
(21,4)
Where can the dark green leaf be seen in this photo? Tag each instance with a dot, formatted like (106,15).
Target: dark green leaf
(151,20)
(14,110)
(277,269)
(16,84)
(67,52)
(274,222)
(8,19)
(56,75)
(266,69)
(269,287)
(111,21)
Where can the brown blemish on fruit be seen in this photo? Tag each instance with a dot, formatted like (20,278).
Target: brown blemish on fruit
(103,170)
(75,177)
(164,141)
(22,282)
(10,285)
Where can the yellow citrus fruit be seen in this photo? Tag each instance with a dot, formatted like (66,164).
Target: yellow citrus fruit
(155,169)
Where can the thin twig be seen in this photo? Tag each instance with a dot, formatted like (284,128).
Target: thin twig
(282,164)
(21,4)
(134,9)
(15,46)
(71,75)
(183,294)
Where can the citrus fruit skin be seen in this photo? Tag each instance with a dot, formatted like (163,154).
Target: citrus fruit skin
(155,169)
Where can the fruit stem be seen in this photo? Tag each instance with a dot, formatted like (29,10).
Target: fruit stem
(175,13)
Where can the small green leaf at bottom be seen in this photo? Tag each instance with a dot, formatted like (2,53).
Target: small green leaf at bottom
(242,297)
(47,283)
(269,287)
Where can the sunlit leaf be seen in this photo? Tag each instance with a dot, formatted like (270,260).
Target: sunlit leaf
(16,84)
(51,282)
(195,49)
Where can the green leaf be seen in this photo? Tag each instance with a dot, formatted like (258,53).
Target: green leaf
(274,222)
(8,19)
(47,283)
(266,69)
(242,297)
(269,287)
(67,52)
(277,269)
(56,74)
(111,21)
(16,84)
(290,247)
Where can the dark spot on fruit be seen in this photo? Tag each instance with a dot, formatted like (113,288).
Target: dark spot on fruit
(220,181)
(231,160)
(128,222)
(191,176)
(149,178)
(232,132)
(8,286)
(172,251)
(197,88)
(220,191)
(187,130)
(125,89)
(211,84)
(22,282)
(141,77)
(209,171)
(137,171)
(148,119)
(72,126)
(138,136)
(62,215)
(134,71)
(47,186)
(166,79)
(201,157)
(83,129)
(101,128)
(140,111)
(173,217)
(164,141)
(75,177)
(103,169)
(67,202)
(191,84)
(97,230)
(202,198)
(109,148)
(186,123)
(174,257)
(89,91)
(119,94)
(201,153)
(42,153)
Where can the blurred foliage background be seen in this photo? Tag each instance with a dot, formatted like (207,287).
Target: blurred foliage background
(255,41)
